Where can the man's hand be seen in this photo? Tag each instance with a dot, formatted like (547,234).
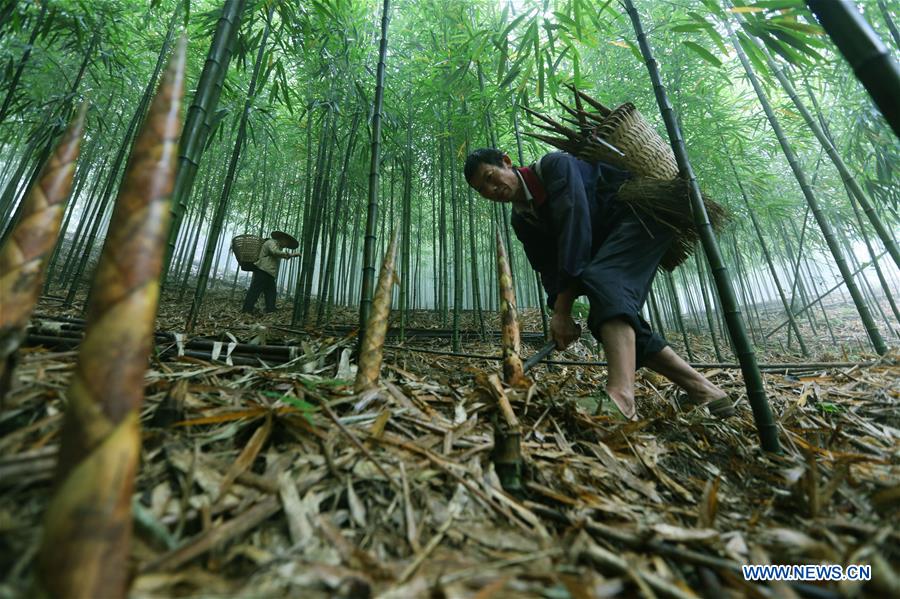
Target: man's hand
(295,254)
(563,329)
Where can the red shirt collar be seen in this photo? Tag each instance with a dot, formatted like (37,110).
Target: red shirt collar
(534,185)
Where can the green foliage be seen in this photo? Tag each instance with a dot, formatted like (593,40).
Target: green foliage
(306,409)
(457,72)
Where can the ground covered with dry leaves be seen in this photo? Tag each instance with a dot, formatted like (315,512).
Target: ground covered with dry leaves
(264,475)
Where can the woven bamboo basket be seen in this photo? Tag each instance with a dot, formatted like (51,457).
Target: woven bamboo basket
(646,154)
(246,250)
(623,138)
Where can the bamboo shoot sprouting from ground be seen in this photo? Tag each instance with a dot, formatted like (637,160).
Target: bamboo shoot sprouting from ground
(372,345)
(87,526)
(24,256)
(507,454)
(512,363)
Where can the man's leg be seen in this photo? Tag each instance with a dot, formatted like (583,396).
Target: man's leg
(270,291)
(670,365)
(253,292)
(618,340)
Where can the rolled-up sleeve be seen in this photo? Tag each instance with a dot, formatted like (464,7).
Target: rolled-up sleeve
(275,250)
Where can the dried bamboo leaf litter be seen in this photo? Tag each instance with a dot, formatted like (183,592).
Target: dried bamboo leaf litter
(680,498)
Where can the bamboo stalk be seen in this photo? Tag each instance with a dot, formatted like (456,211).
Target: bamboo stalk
(372,347)
(87,527)
(512,363)
(24,256)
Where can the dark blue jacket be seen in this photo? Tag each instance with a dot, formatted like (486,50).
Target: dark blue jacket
(576,218)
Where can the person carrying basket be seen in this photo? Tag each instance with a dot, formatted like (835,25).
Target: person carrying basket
(265,270)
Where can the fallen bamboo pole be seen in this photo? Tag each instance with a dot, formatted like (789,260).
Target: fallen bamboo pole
(87,526)
(24,256)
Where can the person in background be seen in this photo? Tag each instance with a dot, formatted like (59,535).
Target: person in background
(265,270)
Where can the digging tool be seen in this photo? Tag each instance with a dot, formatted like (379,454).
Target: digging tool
(542,353)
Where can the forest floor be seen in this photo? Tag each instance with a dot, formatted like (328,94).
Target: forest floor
(263,475)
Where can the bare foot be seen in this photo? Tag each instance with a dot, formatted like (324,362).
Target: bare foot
(704,392)
(624,401)
(711,397)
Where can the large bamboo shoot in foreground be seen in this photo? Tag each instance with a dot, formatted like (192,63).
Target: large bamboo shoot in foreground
(372,347)
(87,527)
(23,258)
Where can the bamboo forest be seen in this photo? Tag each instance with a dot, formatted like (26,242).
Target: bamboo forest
(564,299)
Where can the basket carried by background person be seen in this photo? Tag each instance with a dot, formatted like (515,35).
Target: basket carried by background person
(246,250)
(623,138)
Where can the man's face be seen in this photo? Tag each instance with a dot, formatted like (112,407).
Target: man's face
(497,183)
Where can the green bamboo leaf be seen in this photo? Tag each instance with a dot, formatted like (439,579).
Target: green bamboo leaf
(786,52)
(635,51)
(717,39)
(796,25)
(576,68)
(530,32)
(576,9)
(798,41)
(713,7)
(778,4)
(510,77)
(703,53)
(512,25)
(556,62)
(540,83)
(688,28)
(753,53)
(564,20)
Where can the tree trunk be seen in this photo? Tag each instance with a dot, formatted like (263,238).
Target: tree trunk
(14,82)
(762,414)
(828,145)
(215,230)
(870,60)
(895,35)
(329,275)
(198,123)
(537,276)
(368,279)
(708,310)
(864,314)
(768,257)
